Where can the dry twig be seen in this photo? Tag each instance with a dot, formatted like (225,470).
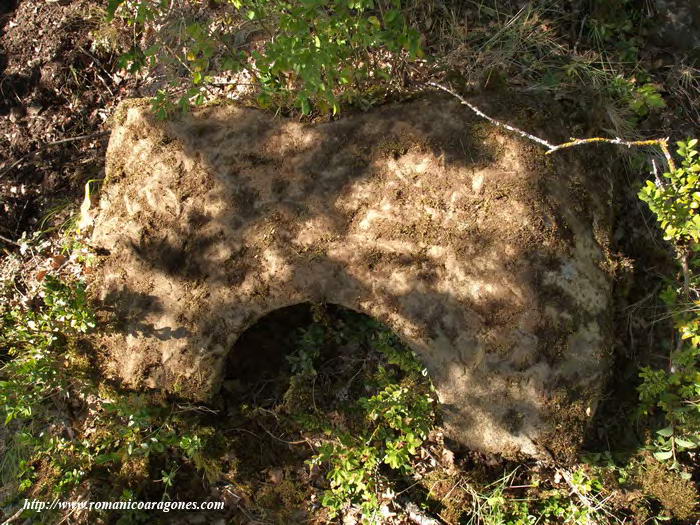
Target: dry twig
(8,241)
(491,119)
(569,481)
(14,517)
(662,143)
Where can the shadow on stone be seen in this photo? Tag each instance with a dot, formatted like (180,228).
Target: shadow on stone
(479,254)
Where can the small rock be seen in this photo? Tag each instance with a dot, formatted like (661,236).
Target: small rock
(34,109)
(16,113)
(276,476)
(478,184)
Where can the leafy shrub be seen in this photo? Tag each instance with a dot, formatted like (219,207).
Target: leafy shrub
(399,421)
(37,343)
(675,391)
(318,51)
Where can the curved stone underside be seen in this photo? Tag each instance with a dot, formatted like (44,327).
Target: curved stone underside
(480,254)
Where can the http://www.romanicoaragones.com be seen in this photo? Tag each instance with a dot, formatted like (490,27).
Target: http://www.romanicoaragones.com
(162,506)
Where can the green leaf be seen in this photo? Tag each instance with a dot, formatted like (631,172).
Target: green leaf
(152,50)
(685,443)
(305,105)
(663,455)
(665,432)
(102,459)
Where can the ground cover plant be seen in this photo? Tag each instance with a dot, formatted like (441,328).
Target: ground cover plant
(347,425)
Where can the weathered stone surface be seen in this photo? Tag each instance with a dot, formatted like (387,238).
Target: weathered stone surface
(482,254)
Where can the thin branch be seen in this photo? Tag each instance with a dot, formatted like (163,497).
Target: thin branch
(14,517)
(491,119)
(574,489)
(47,144)
(304,441)
(655,172)
(194,408)
(8,241)
(551,148)
(662,143)
(682,254)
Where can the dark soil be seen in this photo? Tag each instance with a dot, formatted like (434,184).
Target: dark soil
(260,352)
(53,86)
(7,7)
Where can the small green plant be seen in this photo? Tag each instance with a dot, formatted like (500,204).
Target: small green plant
(37,344)
(495,504)
(32,341)
(308,345)
(645,99)
(399,420)
(377,433)
(675,199)
(676,392)
(396,354)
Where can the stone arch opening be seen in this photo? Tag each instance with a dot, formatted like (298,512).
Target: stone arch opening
(325,340)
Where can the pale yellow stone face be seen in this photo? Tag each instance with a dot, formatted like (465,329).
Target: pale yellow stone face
(458,236)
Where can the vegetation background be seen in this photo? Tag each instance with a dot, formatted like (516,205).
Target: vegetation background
(344,423)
